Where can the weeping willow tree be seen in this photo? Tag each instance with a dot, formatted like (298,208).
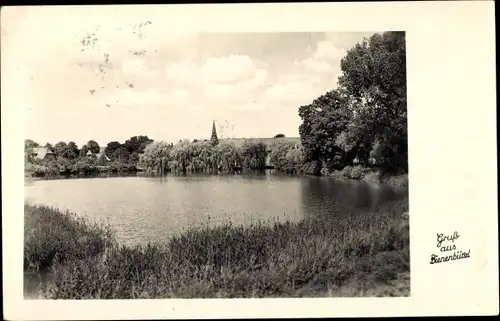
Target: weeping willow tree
(154,154)
(200,156)
(279,151)
(227,156)
(254,154)
(203,156)
(180,156)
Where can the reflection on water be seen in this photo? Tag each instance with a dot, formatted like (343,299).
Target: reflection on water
(148,209)
(323,196)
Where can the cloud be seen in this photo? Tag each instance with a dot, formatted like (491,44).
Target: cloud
(223,93)
(146,99)
(183,73)
(219,82)
(315,65)
(250,106)
(327,51)
(324,59)
(228,69)
(299,76)
(293,92)
(133,66)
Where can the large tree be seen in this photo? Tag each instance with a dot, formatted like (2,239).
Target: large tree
(71,151)
(60,149)
(226,156)
(254,154)
(112,149)
(137,144)
(279,150)
(323,121)
(364,119)
(154,153)
(374,79)
(84,150)
(67,151)
(181,154)
(93,146)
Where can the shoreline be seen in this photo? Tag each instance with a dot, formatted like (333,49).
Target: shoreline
(374,180)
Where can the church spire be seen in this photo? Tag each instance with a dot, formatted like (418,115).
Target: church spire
(214,139)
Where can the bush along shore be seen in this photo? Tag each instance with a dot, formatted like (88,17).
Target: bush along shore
(344,254)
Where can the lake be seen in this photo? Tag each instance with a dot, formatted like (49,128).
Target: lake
(151,209)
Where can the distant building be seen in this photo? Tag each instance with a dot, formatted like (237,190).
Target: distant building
(98,155)
(268,141)
(238,142)
(101,152)
(43,153)
(214,139)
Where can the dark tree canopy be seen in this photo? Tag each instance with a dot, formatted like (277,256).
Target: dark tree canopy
(365,118)
(72,151)
(323,123)
(60,148)
(84,150)
(93,146)
(29,143)
(137,144)
(66,151)
(112,147)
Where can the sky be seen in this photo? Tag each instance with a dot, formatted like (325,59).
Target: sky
(109,81)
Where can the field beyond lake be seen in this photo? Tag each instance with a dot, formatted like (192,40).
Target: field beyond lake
(356,253)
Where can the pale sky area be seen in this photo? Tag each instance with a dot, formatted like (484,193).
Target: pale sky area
(170,85)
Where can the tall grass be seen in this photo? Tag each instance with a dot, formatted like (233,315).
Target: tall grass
(53,236)
(314,257)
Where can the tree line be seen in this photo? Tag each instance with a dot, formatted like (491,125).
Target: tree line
(359,126)
(143,153)
(213,156)
(70,159)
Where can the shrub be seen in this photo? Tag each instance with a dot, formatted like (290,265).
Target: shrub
(357,172)
(253,154)
(346,172)
(278,155)
(372,177)
(31,170)
(85,166)
(312,168)
(325,171)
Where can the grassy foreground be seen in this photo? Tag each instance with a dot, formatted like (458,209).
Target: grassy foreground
(350,254)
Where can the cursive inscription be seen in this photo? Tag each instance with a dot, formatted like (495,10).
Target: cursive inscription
(446,244)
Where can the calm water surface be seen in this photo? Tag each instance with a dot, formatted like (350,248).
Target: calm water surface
(150,209)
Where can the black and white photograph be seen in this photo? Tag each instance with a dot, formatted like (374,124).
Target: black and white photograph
(165,162)
(217,165)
